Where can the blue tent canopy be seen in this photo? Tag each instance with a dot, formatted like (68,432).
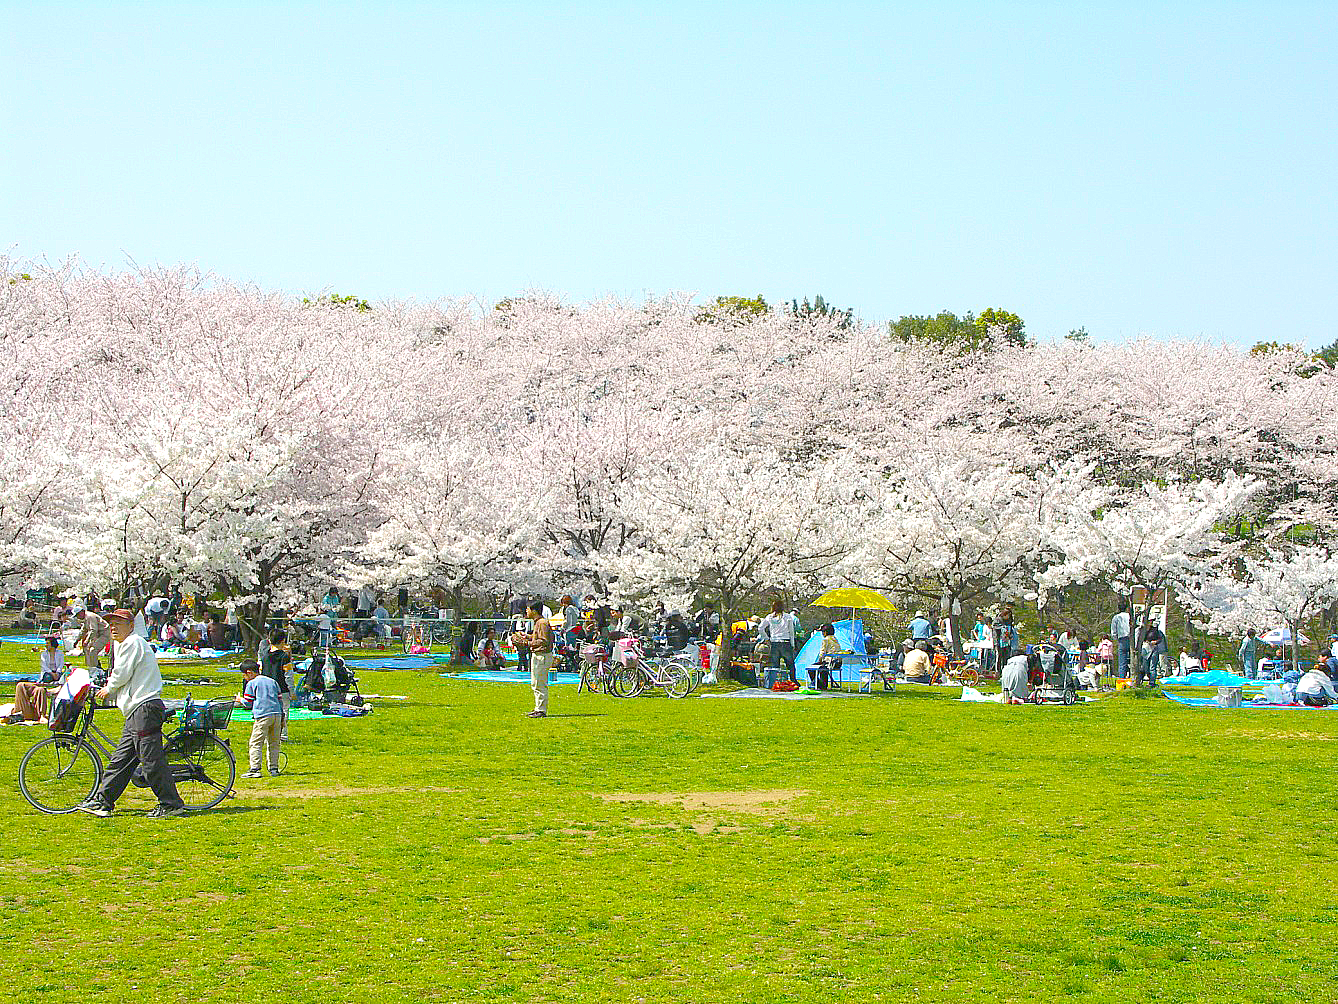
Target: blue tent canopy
(851,636)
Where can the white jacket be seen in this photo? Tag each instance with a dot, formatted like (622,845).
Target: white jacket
(135,677)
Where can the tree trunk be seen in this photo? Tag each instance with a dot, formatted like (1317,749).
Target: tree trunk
(726,653)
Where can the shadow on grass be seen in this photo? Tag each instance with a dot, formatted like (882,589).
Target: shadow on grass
(225,810)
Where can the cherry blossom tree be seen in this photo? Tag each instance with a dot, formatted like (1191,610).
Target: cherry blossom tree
(1287,587)
(729,526)
(958,520)
(1152,538)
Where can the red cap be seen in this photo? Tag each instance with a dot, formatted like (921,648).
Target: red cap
(123,614)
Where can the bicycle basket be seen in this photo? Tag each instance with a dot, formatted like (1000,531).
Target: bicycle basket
(209,716)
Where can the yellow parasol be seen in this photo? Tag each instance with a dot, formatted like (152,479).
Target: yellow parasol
(854,597)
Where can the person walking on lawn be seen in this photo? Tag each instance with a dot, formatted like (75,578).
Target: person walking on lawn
(261,695)
(93,638)
(539,642)
(137,687)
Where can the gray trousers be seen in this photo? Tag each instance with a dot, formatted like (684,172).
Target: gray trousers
(141,743)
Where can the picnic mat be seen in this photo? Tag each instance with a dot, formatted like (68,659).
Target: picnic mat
(183,654)
(1209,702)
(788,695)
(22,639)
(294,715)
(399,662)
(515,676)
(1212,678)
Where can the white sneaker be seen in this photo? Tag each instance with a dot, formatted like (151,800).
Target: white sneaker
(251,773)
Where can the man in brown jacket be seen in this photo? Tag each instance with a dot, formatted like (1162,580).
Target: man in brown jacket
(540,644)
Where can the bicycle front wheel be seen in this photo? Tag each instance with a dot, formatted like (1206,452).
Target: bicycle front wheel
(627,682)
(204,770)
(59,773)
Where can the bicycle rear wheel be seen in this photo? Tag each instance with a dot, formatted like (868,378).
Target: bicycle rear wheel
(59,773)
(204,770)
(679,682)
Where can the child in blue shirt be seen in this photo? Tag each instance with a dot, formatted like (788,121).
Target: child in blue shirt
(261,695)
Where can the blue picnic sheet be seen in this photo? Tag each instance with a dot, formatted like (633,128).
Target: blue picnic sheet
(399,662)
(503,676)
(1212,678)
(1208,702)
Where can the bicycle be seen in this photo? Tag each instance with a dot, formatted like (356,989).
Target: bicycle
(415,635)
(669,675)
(63,770)
(596,674)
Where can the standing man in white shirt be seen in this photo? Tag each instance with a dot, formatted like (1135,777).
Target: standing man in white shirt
(137,687)
(366,603)
(1119,630)
(779,629)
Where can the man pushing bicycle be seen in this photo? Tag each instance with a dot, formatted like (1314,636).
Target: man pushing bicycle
(136,685)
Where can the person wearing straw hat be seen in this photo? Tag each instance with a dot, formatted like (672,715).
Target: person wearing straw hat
(136,685)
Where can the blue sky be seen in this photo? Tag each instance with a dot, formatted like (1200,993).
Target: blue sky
(1157,168)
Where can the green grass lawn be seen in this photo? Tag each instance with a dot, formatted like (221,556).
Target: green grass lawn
(898,847)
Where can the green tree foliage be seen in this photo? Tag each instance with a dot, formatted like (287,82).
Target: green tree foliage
(1315,361)
(1329,354)
(821,308)
(739,309)
(1004,325)
(992,329)
(1079,335)
(335,300)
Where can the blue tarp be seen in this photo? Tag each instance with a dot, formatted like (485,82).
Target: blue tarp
(23,639)
(18,677)
(501,676)
(1212,678)
(399,662)
(1208,702)
(851,637)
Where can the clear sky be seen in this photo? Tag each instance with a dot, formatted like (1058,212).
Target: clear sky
(1161,168)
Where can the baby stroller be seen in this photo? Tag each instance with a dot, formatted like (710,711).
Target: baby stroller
(329,680)
(1053,682)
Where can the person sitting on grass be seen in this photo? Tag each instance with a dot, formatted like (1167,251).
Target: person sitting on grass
(1315,689)
(917,665)
(261,695)
(490,656)
(1088,666)
(52,662)
(1191,661)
